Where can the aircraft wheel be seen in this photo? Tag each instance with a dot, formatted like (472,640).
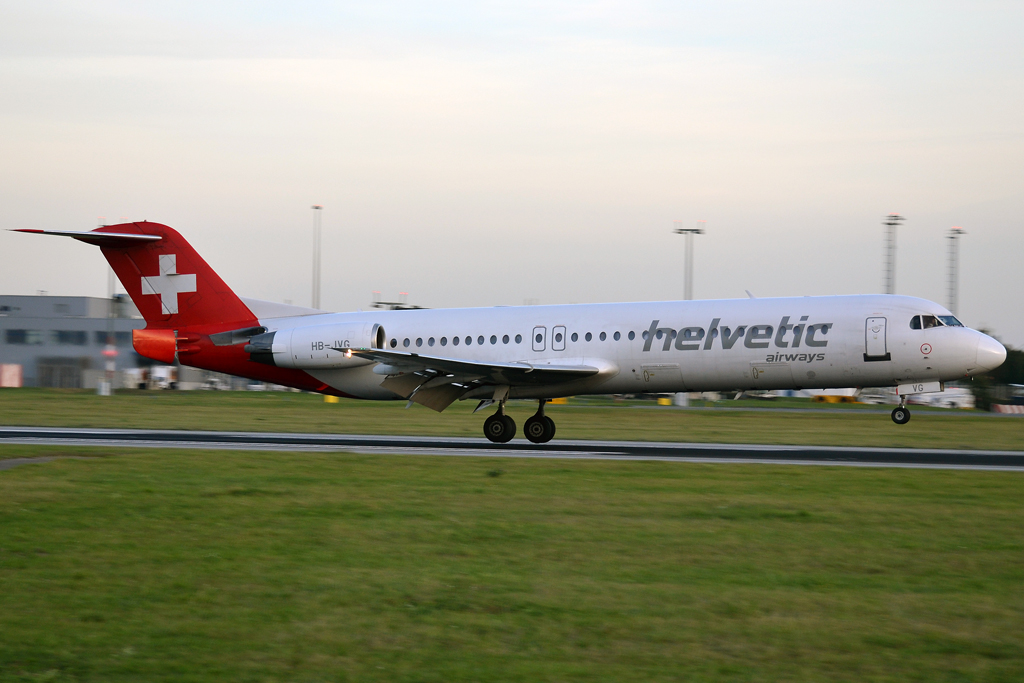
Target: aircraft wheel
(539,429)
(901,415)
(499,428)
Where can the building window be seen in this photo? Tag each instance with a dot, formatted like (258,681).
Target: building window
(70,337)
(28,337)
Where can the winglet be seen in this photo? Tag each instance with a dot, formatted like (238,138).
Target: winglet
(749,295)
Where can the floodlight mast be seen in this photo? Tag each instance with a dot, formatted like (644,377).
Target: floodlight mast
(689,233)
(317,212)
(952,291)
(889,264)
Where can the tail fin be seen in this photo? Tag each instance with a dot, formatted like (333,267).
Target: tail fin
(170,283)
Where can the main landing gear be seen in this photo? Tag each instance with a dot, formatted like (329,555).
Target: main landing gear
(900,414)
(539,428)
(500,428)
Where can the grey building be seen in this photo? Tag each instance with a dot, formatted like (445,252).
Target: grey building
(59,340)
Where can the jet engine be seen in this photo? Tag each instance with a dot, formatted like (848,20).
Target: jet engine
(315,346)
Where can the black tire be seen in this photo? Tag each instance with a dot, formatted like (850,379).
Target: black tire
(535,429)
(539,429)
(496,429)
(900,416)
(510,427)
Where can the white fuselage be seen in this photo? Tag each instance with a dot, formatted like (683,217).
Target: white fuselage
(736,344)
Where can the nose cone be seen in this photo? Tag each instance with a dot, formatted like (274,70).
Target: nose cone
(991,353)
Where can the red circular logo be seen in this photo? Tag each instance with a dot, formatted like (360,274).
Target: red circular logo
(926,349)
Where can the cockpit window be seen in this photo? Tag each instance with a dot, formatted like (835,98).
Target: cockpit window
(929,321)
(950,320)
(915,322)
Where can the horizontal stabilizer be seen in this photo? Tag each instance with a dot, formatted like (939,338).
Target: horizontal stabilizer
(99,239)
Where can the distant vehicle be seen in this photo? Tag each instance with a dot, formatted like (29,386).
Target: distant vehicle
(435,357)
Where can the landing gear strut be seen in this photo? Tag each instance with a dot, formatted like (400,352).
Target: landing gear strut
(900,414)
(539,428)
(500,428)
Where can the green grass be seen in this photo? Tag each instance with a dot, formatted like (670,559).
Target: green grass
(298,412)
(232,566)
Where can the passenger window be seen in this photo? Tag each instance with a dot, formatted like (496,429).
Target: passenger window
(558,337)
(915,322)
(480,340)
(589,336)
(603,336)
(504,340)
(394,343)
(419,341)
(430,342)
(444,341)
(519,339)
(455,341)
(575,337)
(406,343)
(632,335)
(494,339)
(616,336)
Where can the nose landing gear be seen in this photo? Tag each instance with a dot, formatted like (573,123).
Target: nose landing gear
(539,428)
(900,414)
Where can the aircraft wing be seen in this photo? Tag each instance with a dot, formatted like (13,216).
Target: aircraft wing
(437,382)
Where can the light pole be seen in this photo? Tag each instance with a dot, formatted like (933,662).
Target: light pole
(952,293)
(317,212)
(689,232)
(889,264)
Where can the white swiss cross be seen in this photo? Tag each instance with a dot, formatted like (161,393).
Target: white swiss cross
(169,283)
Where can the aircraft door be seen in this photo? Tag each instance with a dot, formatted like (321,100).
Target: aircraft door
(540,334)
(875,347)
(558,338)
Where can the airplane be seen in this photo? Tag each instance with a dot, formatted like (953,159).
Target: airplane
(435,357)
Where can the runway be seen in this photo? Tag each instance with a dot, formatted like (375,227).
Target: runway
(519,448)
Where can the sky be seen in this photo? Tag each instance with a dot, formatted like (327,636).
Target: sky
(497,153)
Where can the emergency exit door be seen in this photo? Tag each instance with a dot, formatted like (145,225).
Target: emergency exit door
(875,348)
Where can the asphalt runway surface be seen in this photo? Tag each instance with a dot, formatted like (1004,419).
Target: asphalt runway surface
(518,448)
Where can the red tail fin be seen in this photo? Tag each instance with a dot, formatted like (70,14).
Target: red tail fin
(170,283)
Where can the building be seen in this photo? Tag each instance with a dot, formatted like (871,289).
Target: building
(59,340)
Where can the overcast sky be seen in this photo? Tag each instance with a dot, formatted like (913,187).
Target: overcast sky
(475,154)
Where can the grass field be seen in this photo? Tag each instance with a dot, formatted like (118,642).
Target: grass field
(298,412)
(232,566)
